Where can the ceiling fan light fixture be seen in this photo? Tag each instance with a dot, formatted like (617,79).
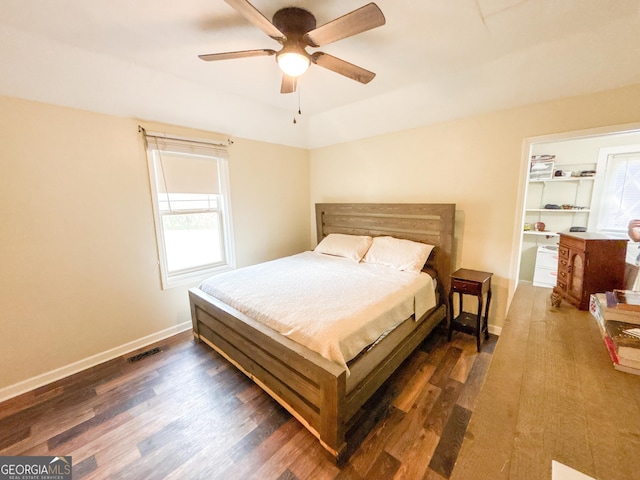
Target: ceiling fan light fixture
(293,63)
(296,29)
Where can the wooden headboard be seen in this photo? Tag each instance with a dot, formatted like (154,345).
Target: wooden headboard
(430,223)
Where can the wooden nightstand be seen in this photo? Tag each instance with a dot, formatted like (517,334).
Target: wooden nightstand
(470,282)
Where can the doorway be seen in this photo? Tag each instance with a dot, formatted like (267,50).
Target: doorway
(571,200)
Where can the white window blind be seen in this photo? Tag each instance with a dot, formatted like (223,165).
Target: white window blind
(184,173)
(190,189)
(620,201)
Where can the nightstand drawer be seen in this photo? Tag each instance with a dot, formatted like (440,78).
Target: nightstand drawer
(463,286)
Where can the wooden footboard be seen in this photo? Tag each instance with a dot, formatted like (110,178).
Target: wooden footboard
(309,386)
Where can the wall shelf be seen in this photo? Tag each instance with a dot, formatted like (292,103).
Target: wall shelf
(559,210)
(544,233)
(561,179)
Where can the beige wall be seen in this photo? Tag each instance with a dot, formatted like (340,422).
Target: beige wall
(78,258)
(270,197)
(477,163)
(77,245)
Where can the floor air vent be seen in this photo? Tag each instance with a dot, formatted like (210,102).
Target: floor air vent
(146,354)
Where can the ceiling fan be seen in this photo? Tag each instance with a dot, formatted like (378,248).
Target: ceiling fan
(295,28)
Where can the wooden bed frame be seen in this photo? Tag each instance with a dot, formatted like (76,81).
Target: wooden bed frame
(312,388)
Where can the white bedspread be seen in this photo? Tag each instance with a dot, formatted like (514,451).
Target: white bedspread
(331,305)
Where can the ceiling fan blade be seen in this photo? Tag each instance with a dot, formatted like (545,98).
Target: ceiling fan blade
(289,84)
(252,14)
(342,67)
(357,21)
(241,54)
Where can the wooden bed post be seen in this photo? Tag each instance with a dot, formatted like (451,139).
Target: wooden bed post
(332,429)
(194,321)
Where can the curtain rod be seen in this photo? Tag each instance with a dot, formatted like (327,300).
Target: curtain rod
(142,130)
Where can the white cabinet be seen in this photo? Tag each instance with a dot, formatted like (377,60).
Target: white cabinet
(545,273)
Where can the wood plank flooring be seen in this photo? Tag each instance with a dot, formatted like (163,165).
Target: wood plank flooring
(552,394)
(186,413)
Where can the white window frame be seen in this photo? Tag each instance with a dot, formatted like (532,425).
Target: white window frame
(595,219)
(193,275)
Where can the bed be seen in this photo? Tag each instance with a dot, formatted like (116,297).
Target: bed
(324,395)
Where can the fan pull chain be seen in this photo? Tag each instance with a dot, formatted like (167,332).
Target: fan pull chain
(299,109)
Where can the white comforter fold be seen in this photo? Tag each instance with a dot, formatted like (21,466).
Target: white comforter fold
(331,305)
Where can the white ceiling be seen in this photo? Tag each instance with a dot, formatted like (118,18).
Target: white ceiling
(435,60)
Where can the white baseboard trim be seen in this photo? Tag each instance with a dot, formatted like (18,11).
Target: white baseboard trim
(495,330)
(48,377)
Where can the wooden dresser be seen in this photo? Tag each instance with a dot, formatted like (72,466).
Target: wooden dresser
(589,263)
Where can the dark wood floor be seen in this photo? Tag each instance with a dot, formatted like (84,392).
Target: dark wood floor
(186,413)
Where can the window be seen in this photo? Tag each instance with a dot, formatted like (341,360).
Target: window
(190,189)
(618,189)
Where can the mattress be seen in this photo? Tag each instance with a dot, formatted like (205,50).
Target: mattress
(331,305)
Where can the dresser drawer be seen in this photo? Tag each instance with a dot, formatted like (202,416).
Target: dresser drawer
(544,277)
(547,257)
(563,275)
(563,251)
(568,241)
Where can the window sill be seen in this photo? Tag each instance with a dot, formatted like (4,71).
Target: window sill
(191,278)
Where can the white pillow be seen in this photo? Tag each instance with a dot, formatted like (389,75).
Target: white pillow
(341,245)
(398,253)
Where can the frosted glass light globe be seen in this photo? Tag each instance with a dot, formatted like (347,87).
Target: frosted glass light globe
(293,64)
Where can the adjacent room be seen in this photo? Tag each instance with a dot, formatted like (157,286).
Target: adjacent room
(415,121)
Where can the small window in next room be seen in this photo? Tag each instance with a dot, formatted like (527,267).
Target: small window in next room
(618,189)
(191,203)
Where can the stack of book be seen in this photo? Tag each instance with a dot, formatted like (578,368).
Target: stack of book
(618,315)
